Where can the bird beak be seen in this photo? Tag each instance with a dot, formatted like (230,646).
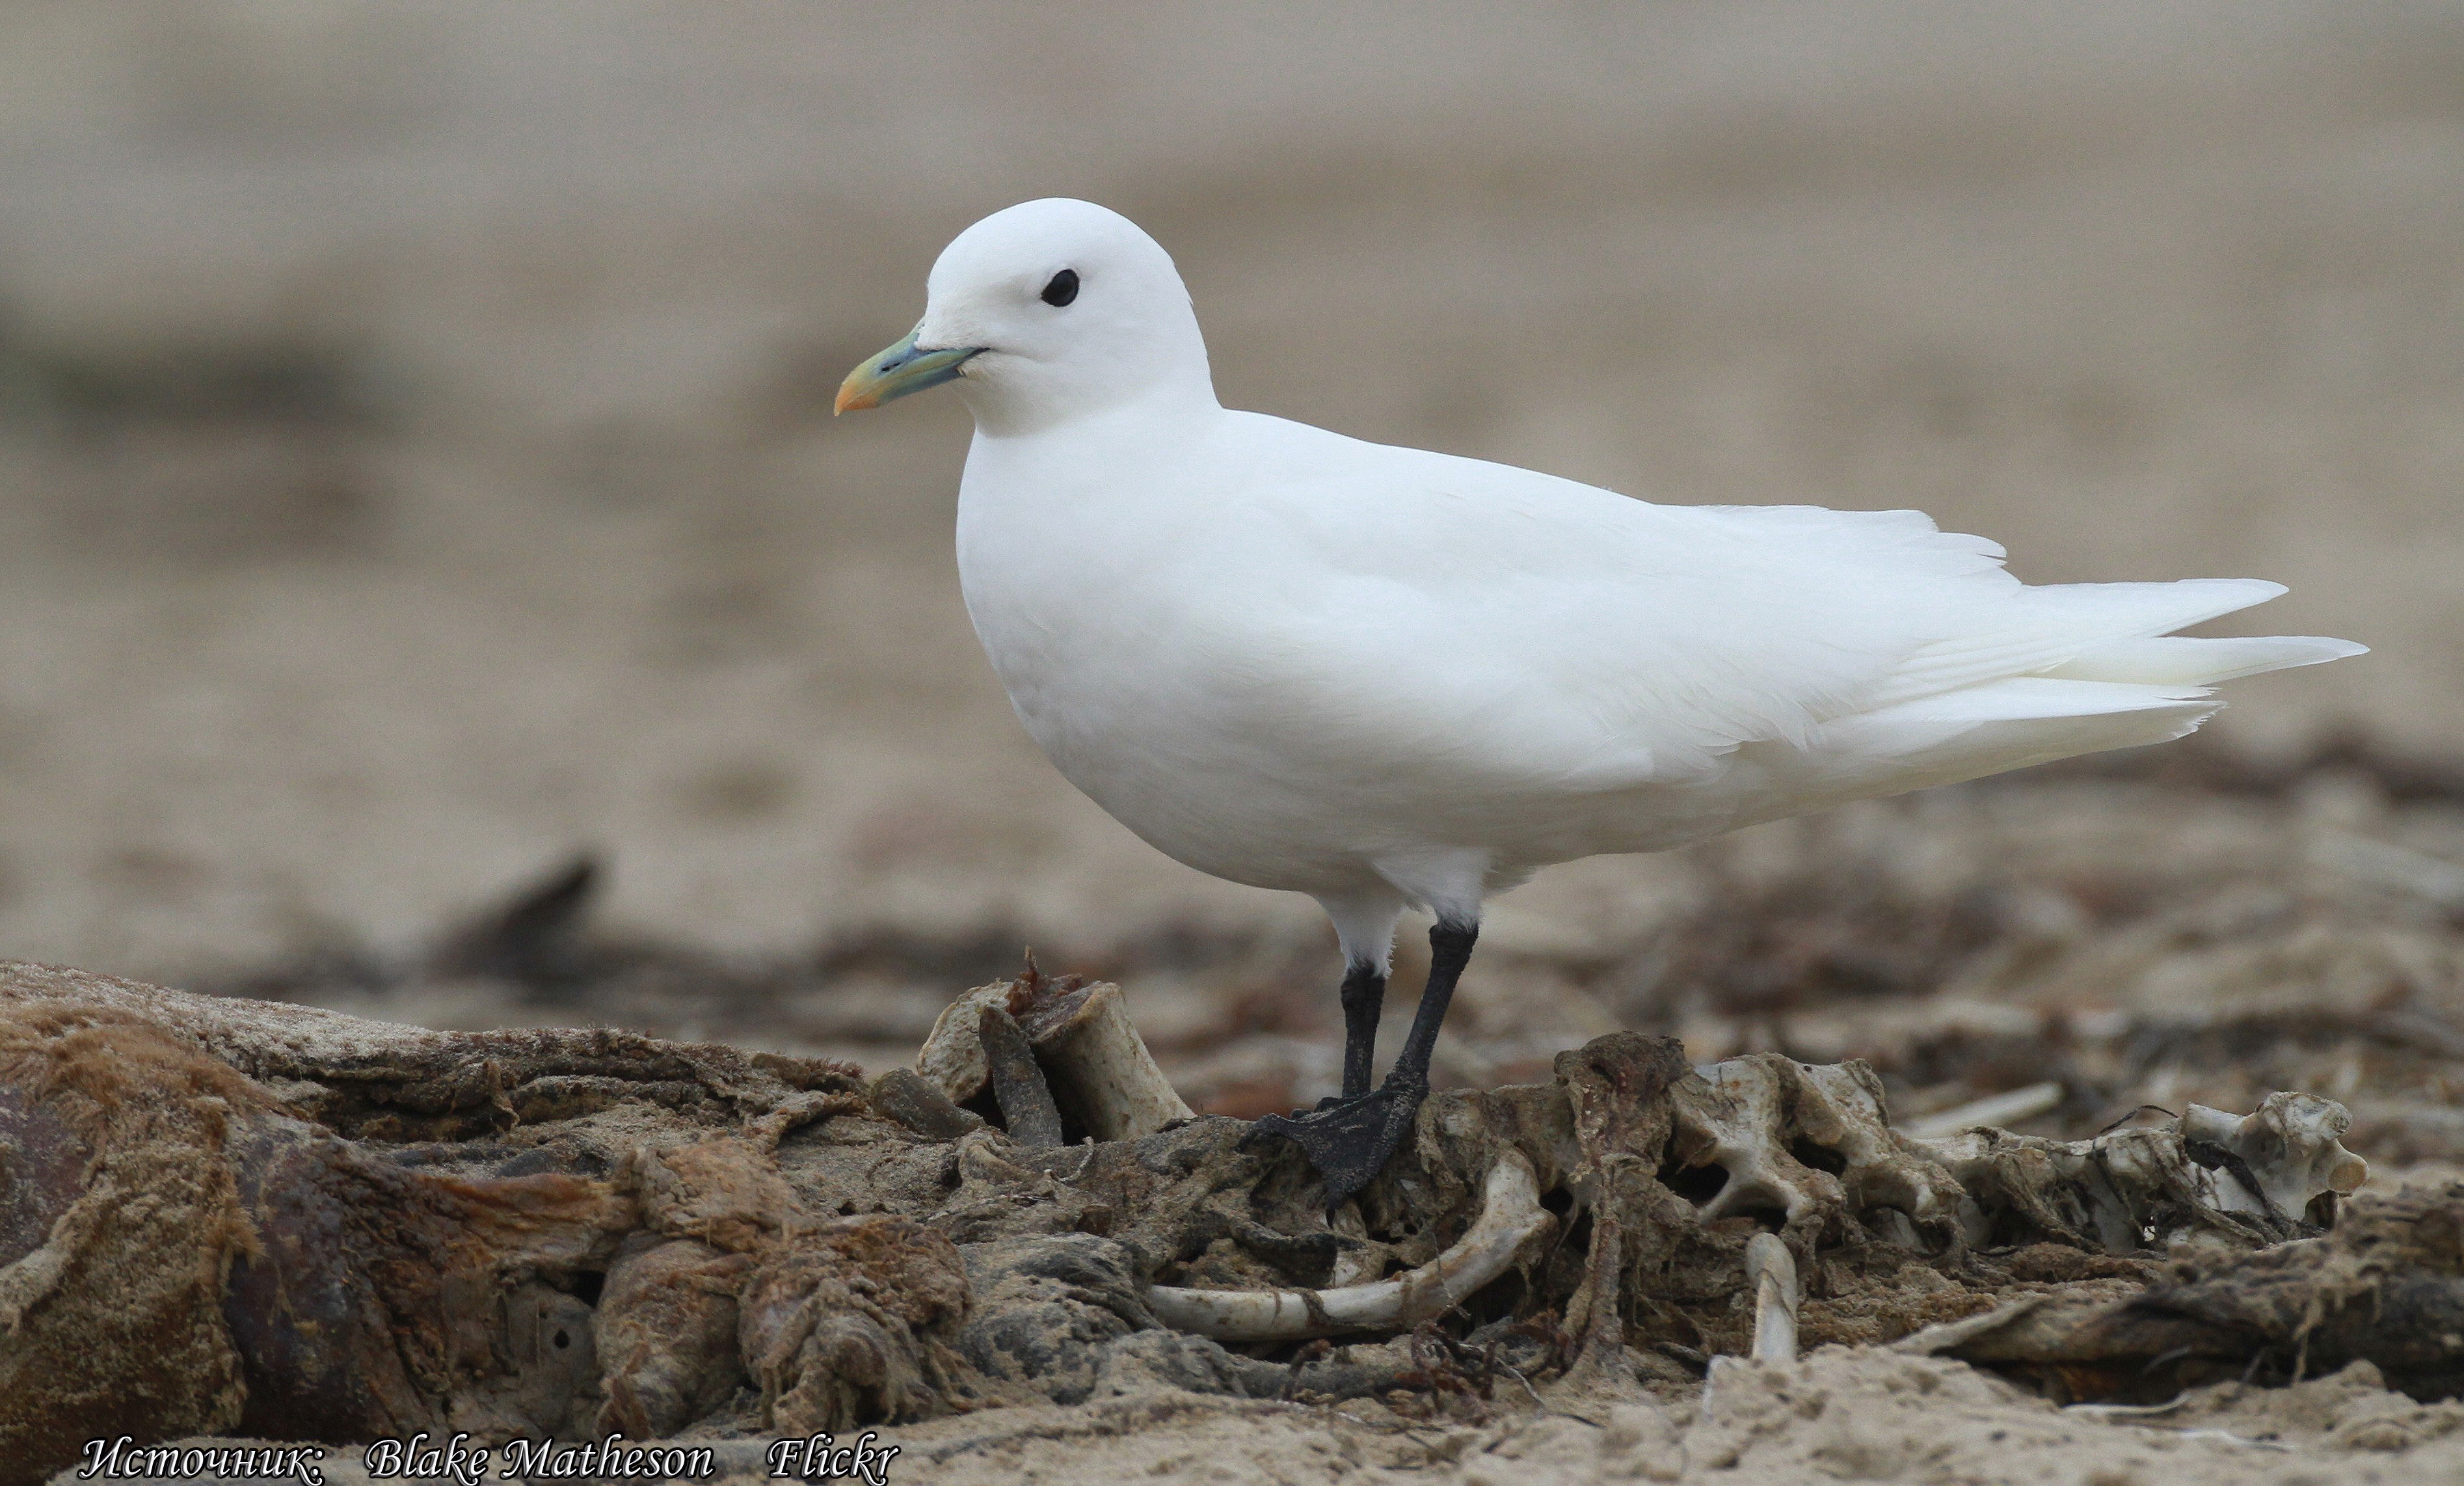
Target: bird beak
(902,368)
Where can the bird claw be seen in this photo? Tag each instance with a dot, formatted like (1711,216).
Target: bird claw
(1349,1140)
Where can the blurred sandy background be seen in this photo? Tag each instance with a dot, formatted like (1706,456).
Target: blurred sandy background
(414,465)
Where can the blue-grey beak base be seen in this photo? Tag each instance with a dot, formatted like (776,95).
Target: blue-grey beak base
(899,370)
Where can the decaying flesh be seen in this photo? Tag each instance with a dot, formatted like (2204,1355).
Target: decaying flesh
(223,1215)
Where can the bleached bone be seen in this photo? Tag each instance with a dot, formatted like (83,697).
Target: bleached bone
(1745,1114)
(1761,1118)
(2123,1185)
(2291,1145)
(1815,1144)
(1100,1066)
(1772,1269)
(1511,1215)
(1735,1117)
(1097,1064)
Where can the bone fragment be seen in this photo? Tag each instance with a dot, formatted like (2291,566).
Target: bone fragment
(1027,1110)
(1942,1336)
(1510,1214)
(1995,1109)
(1750,1115)
(952,1055)
(1772,1269)
(1100,1066)
(917,1103)
(1096,1066)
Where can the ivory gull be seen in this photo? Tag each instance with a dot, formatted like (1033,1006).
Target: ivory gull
(1394,679)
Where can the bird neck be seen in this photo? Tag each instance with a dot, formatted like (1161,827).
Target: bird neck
(1022,412)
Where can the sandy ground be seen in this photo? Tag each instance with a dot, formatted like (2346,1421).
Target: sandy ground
(412,472)
(1838,1415)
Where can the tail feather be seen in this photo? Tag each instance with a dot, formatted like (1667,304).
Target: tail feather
(2107,632)
(2054,672)
(1985,730)
(2180,660)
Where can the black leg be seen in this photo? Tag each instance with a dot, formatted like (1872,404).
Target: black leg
(1351,1141)
(1449,951)
(1364,1000)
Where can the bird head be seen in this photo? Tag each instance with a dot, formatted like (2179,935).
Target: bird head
(1042,313)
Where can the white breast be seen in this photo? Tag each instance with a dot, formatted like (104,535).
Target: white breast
(1110,608)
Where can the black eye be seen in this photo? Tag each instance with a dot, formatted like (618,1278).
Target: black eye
(1063,289)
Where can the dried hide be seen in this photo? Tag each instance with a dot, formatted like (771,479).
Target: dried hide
(2386,1286)
(224,1215)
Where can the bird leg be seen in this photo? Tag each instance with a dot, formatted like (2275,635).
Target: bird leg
(1350,1139)
(1364,1000)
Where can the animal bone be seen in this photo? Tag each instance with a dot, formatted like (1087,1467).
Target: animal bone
(952,1054)
(1019,1086)
(1510,1217)
(1762,1118)
(1751,1116)
(1098,1067)
(679,1175)
(1814,1145)
(2385,1288)
(2133,1189)
(1735,1118)
(2290,1144)
(1772,1272)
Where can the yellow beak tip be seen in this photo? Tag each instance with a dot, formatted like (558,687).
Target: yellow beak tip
(897,371)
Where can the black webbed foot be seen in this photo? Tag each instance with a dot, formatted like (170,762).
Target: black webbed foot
(1349,1140)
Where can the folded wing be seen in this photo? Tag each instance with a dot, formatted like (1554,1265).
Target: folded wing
(1531,633)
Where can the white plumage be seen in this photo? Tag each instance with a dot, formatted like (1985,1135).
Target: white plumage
(1388,677)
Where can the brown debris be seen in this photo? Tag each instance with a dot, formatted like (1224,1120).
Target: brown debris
(123,1222)
(855,1325)
(2386,1286)
(376,1306)
(664,1330)
(381,1230)
(918,1103)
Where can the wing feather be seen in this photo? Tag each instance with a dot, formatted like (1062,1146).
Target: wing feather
(1521,631)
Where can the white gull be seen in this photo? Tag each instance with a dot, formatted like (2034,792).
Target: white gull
(1392,679)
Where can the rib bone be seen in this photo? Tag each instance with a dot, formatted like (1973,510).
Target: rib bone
(1511,1215)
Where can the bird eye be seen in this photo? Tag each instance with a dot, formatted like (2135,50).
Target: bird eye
(1063,289)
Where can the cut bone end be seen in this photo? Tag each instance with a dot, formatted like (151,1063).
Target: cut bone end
(1095,1063)
(1102,1071)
